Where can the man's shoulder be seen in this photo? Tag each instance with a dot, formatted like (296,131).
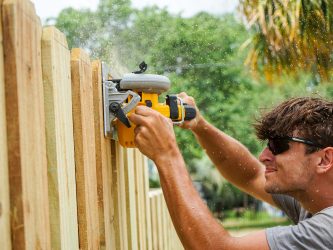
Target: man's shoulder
(311,233)
(326,215)
(328,211)
(323,217)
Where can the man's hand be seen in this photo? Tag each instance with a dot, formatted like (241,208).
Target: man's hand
(192,124)
(154,135)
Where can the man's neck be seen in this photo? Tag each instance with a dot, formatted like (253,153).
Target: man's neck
(317,199)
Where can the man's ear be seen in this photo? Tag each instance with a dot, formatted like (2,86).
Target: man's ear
(326,163)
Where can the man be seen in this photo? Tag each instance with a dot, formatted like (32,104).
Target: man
(294,173)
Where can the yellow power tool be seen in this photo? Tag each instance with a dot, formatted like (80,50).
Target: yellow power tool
(121,96)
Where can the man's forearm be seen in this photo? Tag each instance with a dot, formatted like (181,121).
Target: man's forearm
(195,225)
(233,159)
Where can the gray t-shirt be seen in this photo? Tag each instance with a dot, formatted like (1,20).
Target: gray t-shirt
(310,232)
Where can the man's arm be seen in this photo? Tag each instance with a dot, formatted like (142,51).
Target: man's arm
(195,225)
(232,159)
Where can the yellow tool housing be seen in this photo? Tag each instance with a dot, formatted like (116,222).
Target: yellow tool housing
(126,135)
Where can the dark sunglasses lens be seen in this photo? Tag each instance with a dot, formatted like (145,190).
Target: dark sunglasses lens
(278,146)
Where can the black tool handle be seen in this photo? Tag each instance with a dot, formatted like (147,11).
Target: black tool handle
(190,112)
(172,102)
(115,108)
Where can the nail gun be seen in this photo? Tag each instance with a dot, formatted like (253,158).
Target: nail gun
(121,96)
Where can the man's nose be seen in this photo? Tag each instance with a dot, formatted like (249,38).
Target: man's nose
(266,155)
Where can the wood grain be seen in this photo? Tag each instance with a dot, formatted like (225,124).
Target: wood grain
(85,152)
(5,242)
(59,139)
(142,200)
(121,196)
(130,198)
(108,225)
(147,203)
(22,29)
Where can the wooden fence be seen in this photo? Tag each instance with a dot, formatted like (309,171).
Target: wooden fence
(63,185)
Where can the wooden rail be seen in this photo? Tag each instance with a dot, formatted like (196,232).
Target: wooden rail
(63,185)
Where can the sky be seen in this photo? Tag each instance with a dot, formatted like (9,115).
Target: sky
(188,8)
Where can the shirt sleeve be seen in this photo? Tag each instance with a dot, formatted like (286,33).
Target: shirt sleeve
(313,233)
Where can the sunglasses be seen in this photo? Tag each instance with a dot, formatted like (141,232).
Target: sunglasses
(279,145)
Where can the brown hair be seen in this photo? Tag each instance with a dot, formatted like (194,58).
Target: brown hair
(311,118)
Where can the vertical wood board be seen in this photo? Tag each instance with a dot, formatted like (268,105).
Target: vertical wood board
(22,29)
(59,139)
(159,220)
(154,195)
(130,198)
(121,196)
(140,196)
(119,205)
(108,226)
(5,242)
(147,203)
(153,222)
(84,144)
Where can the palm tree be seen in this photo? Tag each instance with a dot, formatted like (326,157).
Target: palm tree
(290,35)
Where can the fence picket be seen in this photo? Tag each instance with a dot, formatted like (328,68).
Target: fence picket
(4,185)
(59,139)
(84,143)
(105,180)
(30,227)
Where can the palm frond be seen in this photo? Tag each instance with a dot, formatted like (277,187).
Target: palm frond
(290,35)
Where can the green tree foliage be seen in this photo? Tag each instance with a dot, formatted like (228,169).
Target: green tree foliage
(99,31)
(80,27)
(139,40)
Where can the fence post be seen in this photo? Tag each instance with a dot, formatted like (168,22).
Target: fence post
(130,198)
(22,31)
(59,139)
(84,144)
(119,188)
(148,210)
(109,225)
(142,199)
(4,185)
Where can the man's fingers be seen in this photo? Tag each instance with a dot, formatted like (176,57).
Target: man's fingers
(137,119)
(144,111)
(186,98)
(182,95)
(141,135)
(140,129)
(141,115)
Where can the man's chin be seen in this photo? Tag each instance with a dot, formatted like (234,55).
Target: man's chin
(271,189)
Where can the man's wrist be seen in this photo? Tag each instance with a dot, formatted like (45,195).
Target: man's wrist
(165,158)
(200,126)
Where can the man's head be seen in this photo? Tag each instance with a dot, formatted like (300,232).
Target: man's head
(298,131)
